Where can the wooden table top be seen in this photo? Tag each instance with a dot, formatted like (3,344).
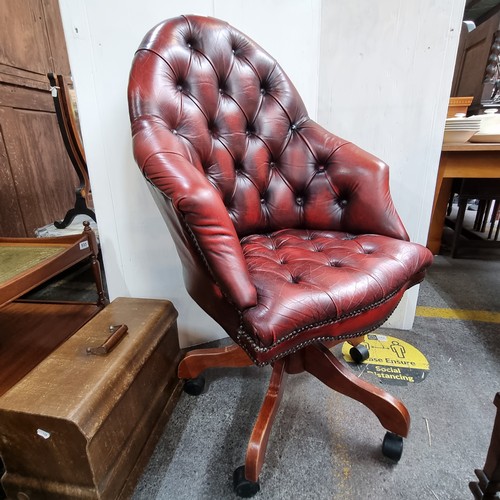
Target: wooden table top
(26,263)
(471,146)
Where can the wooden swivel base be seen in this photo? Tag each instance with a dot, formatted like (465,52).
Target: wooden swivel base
(318,361)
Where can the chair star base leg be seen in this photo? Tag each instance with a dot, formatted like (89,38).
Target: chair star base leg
(319,362)
(392,413)
(262,429)
(197,361)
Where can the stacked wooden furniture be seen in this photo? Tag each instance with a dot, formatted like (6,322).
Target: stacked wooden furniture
(84,389)
(31,330)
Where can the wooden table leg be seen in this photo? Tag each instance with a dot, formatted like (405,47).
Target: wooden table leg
(489,477)
(438,215)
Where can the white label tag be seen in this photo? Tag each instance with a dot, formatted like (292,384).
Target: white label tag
(43,433)
(84,245)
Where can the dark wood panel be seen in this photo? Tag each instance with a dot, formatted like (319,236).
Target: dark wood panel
(19,78)
(10,211)
(55,35)
(12,96)
(35,165)
(23,36)
(44,178)
(32,43)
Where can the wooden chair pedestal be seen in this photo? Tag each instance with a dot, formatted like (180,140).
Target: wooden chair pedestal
(319,362)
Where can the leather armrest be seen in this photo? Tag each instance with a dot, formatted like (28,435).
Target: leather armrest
(369,208)
(359,186)
(201,206)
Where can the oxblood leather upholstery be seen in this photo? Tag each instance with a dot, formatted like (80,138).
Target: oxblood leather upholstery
(287,233)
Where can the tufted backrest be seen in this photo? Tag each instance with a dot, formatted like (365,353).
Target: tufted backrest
(221,131)
(235,115)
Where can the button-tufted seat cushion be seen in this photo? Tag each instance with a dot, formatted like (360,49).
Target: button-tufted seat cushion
(287,233)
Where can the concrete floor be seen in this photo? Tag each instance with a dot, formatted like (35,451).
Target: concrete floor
(326,446)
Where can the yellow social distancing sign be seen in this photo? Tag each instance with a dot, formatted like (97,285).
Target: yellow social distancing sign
(391,360)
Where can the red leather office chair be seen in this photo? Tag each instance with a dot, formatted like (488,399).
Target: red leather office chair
(287,234)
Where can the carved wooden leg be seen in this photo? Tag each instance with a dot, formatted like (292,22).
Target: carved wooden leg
(95,266)
(96,271)
(197,361)
(321,363)
(260,435)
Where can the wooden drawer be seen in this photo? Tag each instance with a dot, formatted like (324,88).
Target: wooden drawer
(81,425)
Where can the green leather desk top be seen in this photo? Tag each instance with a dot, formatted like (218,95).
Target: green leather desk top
(16,259)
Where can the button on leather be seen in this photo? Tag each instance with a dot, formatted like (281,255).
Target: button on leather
(299,200)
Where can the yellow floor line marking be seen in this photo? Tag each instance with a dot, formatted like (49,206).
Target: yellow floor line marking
(463,314)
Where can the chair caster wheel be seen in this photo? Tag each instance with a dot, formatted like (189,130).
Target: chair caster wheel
(242,486)
(392,447)
(359,353)
(194,386)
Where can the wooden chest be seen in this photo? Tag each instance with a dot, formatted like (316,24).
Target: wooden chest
(81,425)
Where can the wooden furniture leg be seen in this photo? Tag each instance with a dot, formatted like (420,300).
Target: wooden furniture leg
(95,266)
(321,363)
(197,361)
(443,193)
(489,477)
(462,207)
(260,435)
(493,219)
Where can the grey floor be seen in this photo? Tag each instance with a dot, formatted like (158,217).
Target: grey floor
(326,446)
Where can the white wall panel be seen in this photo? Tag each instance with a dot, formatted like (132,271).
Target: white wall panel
(385,77)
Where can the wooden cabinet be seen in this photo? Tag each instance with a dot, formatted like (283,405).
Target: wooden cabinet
(37,180)
(84,426)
